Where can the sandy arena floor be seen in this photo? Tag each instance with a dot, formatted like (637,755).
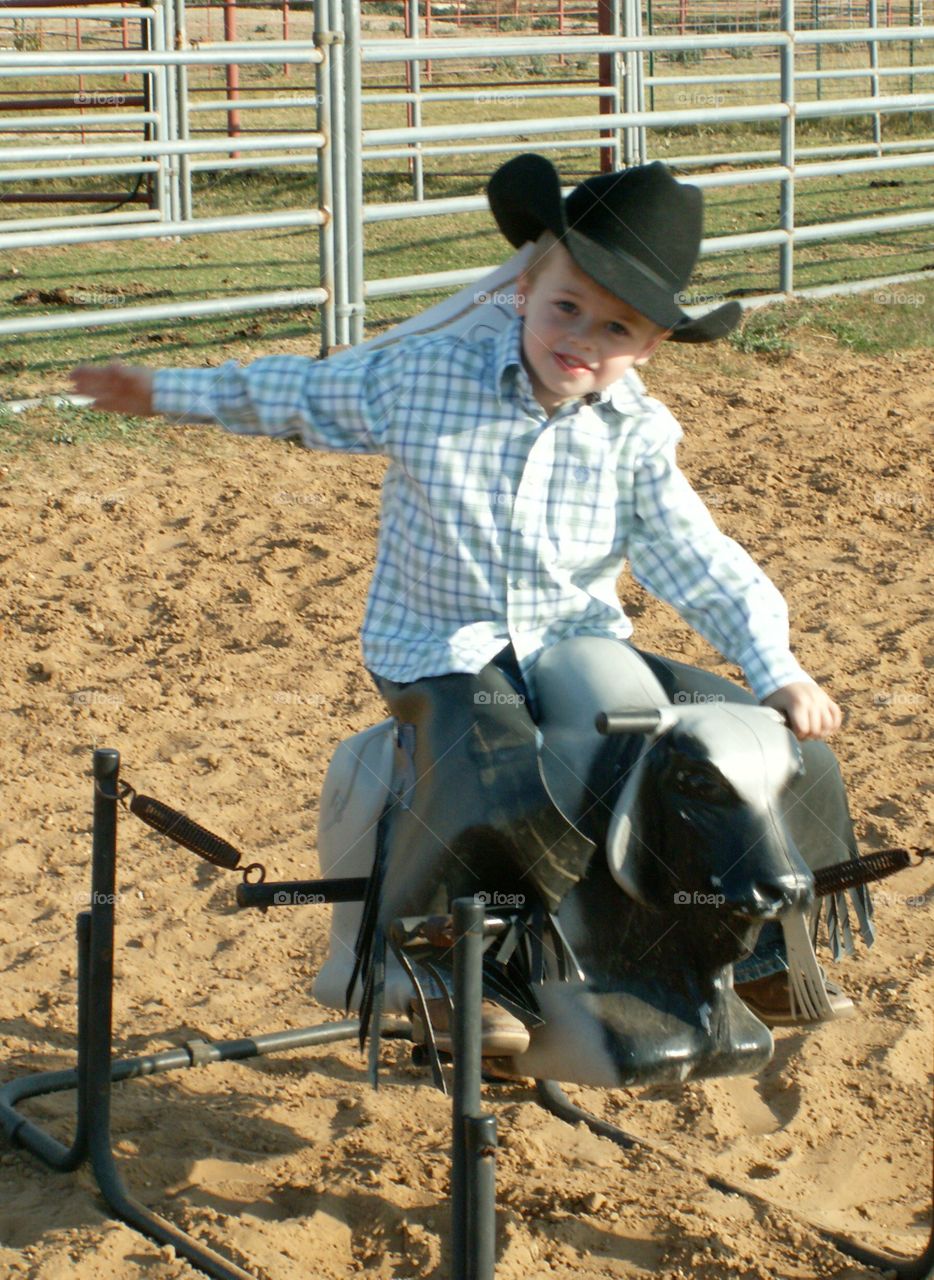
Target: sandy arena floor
(197,607)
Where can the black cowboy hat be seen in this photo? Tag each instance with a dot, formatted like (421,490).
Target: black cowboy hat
(637,233)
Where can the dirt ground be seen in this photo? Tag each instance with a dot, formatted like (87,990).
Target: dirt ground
(196,606)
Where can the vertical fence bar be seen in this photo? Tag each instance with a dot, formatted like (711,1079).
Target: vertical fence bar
(874,65)
(414,109)
(171,107)
(159,83)
(638,74)
(325,174)
(651,27)
(610,76)
(787,197)
(353,85)
(181,112)
(233,71)
(339,171)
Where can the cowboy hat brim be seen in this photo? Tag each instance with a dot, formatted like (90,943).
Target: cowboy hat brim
(525,198)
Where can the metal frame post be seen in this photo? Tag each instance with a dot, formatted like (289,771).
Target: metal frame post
(325,126)
(353,97)
(335,35)
(162,185)
(414,107)
(787,132)
(473,1194)
(874,78)
(182,123)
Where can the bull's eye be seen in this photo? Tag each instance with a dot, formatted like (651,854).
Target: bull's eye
(701,784)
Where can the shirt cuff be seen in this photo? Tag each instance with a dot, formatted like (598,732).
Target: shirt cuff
(185,395)
(768,669)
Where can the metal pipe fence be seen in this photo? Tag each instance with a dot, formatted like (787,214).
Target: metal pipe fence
(335,145)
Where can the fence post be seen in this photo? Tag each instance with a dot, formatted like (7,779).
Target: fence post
(181,110)
(335,35)
(787,198)
(874,65)
(325,176)
(608,24)
(413,81)
(353,88)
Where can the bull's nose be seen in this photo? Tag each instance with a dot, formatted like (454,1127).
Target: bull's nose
(769,899)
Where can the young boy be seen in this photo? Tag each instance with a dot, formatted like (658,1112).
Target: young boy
(527,466)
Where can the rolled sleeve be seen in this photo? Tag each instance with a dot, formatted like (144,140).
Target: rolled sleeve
(677,552)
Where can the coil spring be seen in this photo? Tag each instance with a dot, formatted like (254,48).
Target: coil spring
(847,875)
(190,835)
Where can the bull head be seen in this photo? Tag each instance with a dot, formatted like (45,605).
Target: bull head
(698,820)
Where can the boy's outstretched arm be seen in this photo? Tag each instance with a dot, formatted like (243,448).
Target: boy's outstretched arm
(116,387)
(809,711)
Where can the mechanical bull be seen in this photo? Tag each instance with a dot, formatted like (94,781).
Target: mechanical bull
(638,864)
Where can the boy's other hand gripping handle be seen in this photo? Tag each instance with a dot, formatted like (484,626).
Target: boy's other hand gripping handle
(115,387)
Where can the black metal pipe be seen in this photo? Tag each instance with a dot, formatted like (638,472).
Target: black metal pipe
(480,1134)
(301,893)
(100,1035)
(467,1233)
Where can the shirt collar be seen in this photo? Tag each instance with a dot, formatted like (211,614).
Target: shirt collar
(625,396)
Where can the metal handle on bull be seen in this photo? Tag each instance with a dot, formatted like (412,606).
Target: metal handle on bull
(627,721)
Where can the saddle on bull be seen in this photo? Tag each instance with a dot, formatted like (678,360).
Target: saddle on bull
(634,866)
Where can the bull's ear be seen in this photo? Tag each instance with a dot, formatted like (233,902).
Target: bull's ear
(654,721)
(631,839)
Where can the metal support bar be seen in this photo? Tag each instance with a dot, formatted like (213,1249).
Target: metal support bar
(474,1135)
(787,135)
(96,1071)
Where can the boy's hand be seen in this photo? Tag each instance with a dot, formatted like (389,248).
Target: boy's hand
(809,711)
(116,387)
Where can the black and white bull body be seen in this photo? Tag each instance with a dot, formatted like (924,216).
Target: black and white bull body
(661,847)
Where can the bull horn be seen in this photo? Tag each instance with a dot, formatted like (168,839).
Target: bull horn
(628,721)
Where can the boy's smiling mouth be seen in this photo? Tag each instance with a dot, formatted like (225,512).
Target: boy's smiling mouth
(572,364)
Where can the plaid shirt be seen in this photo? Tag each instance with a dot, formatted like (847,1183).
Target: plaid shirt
(500,523)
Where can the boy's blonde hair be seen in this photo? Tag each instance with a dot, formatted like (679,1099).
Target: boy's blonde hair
(543,247)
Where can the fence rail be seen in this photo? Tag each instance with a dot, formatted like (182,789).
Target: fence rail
(642,88)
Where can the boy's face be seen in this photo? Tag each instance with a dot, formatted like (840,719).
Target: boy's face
(578,337)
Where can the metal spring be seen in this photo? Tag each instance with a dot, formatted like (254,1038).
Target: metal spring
(847,875)
(190,835)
